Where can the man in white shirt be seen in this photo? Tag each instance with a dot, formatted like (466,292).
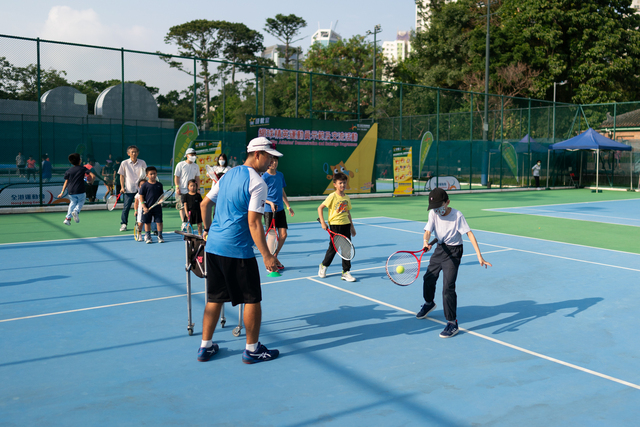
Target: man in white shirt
(130,171)
(185,171)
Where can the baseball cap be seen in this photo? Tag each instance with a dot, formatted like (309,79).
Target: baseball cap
(437,197)
(263,144)
(190,151)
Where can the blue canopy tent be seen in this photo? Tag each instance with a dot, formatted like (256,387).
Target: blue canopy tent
(588,140)
(523,145)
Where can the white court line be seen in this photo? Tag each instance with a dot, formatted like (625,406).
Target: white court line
(543,211)
(567,204)
(505,344)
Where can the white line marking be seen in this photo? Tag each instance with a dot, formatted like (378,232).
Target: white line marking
(505,344)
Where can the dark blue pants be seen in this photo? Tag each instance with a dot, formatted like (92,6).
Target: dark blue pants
(127,201)
(446,259)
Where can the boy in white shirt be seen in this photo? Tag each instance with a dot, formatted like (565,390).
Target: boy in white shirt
(449,225)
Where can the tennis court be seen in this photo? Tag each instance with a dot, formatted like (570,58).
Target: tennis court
(94,326)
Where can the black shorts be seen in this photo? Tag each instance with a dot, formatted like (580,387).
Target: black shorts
(195,217)
(154,215)
(233,280)
(281,219)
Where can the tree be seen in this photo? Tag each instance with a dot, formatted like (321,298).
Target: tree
(199,38)
(21,83)
(240,45)
(285,28)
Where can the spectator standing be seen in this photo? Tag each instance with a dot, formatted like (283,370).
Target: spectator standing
(130,171)
(31,169)
(185,171)
(47,169)
(20,164)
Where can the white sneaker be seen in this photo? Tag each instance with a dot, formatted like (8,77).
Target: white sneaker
(348,277)
(184,227)
(322,271)
(123,227)
(160,239)
(76,218)
(66,221)
(147,239)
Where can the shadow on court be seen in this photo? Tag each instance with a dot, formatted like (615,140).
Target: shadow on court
(523,312)
(35,280)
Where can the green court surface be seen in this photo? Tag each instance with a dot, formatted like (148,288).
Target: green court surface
(32,227)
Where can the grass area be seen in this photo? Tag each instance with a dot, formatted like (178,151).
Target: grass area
(48,226)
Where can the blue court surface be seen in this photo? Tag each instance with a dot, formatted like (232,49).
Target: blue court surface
(94,332)
(623,212)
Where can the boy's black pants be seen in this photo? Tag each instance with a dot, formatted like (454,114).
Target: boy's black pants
(345,230)
(446,259)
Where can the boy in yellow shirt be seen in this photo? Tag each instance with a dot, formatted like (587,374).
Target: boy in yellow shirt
(340,222)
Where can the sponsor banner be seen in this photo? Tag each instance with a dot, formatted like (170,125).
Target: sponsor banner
(425,145)
(187,133)
(313,150)
(207,152)
(17,195)
(511,157)
(402,171)
(444,182)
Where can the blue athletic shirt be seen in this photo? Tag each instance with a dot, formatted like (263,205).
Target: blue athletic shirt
(276,184)
(239,191)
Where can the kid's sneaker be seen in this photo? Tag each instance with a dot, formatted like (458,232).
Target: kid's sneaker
(76,218)
(322,271)
(184,226)
(262,354)
(123,227)
(160,239)
(426,308)
(205,353)
(450,330)
(147,239)
(348,277)
(66,221)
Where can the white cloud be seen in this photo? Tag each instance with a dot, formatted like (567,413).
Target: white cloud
(85,26)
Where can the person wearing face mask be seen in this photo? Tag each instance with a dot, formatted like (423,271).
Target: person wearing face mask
(222,167)
(449,225)
(185,171)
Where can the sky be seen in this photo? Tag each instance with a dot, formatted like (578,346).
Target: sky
(142,25)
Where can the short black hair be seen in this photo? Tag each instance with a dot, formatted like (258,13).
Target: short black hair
(339,177)
(151,168)
(74,159)
(192,180)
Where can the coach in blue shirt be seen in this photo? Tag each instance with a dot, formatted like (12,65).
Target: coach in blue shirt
(232,269)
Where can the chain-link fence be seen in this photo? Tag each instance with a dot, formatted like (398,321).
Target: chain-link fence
(57,98)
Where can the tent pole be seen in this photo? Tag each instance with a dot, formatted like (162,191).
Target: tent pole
(580,179)
(548,154)
(597,167)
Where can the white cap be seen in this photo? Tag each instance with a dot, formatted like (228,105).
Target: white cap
(191,151)
(263,144)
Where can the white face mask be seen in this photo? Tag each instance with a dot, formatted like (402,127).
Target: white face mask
(191,158)
(222,162)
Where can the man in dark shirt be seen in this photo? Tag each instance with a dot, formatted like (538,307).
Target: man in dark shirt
(74,183)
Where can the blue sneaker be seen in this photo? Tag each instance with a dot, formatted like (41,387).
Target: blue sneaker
(205,353)
(260,355)
(450,330)
(426,308)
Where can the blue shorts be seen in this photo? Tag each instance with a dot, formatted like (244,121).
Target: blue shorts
(154,215)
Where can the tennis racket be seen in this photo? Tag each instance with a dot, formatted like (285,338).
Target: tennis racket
(272,235)
(163,198)
(211,174)
(342,245)
(112,200)
(136,233)
(403,267)
(189,226)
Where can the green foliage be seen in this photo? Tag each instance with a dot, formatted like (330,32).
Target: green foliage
(285,28)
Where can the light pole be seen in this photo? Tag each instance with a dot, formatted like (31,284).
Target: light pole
(485,125)
(553,131)
(377,29)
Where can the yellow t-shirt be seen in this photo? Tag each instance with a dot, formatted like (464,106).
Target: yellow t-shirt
(339,208)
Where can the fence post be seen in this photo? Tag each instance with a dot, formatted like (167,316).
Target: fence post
(264,88)
(311,95)
(122,80)
(401,85)
(257,93)
(195,88)
(501,138)
(437,138)
(224,107)
(529,143)
(470,141)
(39,118)
(358,102)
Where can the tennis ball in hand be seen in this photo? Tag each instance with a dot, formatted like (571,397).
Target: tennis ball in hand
(399,269)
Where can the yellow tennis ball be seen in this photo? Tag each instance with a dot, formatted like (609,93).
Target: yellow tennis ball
(399,269)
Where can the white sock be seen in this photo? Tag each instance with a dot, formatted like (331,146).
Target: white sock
(252,347)
(206,343)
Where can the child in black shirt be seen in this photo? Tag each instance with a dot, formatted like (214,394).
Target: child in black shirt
(150,192)
(74,183)
(191,205)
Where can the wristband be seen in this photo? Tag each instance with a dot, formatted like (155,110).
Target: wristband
(206,230)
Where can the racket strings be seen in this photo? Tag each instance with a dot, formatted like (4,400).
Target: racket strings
(343,246)
(409,271)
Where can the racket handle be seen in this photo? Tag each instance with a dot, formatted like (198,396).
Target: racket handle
(431,243)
